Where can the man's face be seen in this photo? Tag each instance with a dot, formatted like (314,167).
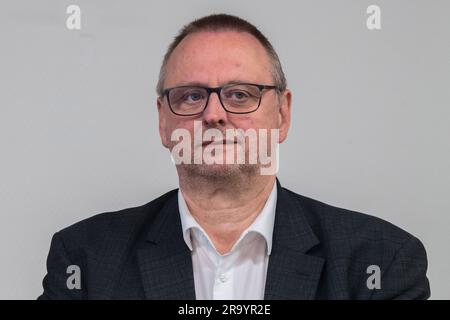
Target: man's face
(214,59)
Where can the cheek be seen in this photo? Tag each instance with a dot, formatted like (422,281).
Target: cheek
(260,121)
(178,124)
(244,121)
(263,121)
(173,122)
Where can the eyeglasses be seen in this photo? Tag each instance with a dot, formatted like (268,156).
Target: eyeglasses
(237,98)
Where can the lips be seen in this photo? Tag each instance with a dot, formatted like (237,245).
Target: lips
(205,143)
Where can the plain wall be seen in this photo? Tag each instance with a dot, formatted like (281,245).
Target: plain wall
(78,120)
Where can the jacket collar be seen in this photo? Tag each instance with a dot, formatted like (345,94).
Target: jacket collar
(292,273)
(262,225)
(166,265)
(164,259)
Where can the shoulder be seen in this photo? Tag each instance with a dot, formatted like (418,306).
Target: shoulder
(333,225)
(353,242)
(111,228)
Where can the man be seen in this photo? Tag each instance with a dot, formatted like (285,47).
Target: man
(230,231)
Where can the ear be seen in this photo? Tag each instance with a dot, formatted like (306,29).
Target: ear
(162,121)
(284,114)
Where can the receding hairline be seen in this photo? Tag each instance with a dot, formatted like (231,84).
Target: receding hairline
(224,23)
(223,31)
(219,31)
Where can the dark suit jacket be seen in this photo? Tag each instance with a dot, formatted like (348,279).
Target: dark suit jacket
(319,252)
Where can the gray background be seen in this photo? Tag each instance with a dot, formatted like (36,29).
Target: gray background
(78,123)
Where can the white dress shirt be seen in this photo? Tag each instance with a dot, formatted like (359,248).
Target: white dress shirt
(238,274)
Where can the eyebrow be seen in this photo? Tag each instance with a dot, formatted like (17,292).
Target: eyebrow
(203,84)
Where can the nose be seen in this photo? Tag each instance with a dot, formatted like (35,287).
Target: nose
(214,114)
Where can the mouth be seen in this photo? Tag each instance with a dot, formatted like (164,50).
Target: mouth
(219,142)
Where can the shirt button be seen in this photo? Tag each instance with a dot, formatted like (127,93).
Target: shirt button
(223,277)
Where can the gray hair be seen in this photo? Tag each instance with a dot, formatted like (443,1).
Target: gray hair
(224,22)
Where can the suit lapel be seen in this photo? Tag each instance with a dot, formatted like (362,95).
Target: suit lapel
(292,274)
(166,265)
(164,259)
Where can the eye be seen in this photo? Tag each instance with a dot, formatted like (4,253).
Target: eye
(193,97)
(240,95)
(237,95)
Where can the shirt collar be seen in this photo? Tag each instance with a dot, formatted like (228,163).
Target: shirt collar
(263,223)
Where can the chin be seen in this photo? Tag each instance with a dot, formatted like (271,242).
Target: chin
(220,171)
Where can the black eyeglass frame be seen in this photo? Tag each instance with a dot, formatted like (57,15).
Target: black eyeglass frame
(218,90)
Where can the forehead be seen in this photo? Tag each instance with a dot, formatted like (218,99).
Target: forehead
(217,57)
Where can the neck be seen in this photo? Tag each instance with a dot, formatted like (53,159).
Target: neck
(224,208)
